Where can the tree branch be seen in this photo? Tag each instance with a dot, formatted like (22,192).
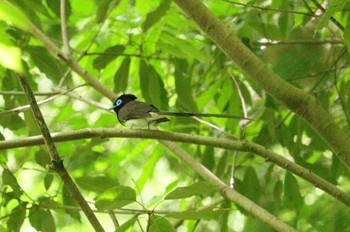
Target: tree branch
(57,162)
(229,144)
(297,100)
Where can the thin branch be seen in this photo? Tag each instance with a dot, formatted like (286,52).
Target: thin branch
(65,39)
(266,8)
(35,93)
(126,55)
(27,107)
(298,42)
(57,163)
(229,144)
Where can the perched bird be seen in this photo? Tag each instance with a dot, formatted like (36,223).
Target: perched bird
(137,114)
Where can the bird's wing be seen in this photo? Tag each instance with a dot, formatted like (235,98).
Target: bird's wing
(138,110)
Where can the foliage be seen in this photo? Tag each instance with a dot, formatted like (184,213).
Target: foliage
(150,49)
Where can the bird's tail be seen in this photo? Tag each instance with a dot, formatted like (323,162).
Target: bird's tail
(183,114)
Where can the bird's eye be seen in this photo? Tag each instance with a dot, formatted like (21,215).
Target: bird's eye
(119,102)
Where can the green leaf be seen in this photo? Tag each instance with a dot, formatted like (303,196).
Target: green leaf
(180,48)
(41,219)
(115,198)
(160,224)
(183,87)
(251,187)
(10,57)
(51,67)
(48,180)
(128,224)
(346,35)
(292,196)
(206,214)
(333,7)
(148,170)
(208,158)
(42,158)
(121,76)
(107,56)
(9,179)
(69,201)
(13,15)
(16,218)
(199,188)
(102,10)
(96,183)
(156,15)
(152,86)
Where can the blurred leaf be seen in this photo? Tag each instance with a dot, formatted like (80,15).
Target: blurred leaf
(13,15)
(180,48)
(10,57)
(200,188)
(48,180)
(16,218)
(152,86)
(116,197)
(42,219)
(333,7)
(160,224)
(69,201)
(96,183)
(46,63)
(221,166)
(42,157)
(126,225)
(292,196)
(208,158)
(346,35)
(277,194)
(251,185)
(102,10)
(148,170)
(183,87)
(9,179)
(207,214)
(156,15)
(121,76)
(107,56)
(285,21)
(56,8)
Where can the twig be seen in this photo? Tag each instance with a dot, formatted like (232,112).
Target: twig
(22,93)
(27,107)
(57,162)
(65,39)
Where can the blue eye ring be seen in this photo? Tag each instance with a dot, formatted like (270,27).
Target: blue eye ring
(119,102)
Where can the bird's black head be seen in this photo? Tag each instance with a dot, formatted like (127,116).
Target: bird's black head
(121,101)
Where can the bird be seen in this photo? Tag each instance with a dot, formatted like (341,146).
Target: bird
(136,114)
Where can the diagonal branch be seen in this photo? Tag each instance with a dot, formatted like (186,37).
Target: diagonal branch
(227,192)
(297,100)
(57,162)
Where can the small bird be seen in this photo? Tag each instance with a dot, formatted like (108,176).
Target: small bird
(137,114)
